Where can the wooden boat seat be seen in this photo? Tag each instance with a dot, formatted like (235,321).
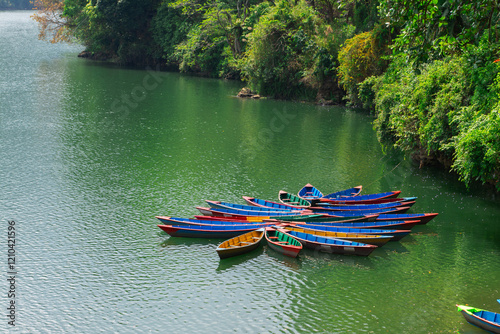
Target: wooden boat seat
(246,242)
(255,238)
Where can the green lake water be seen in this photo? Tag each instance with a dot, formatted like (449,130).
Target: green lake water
(90,153)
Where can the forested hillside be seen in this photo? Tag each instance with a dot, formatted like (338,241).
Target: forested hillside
(429,70)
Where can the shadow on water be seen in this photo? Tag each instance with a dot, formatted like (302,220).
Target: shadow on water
(287,261)
(363,262)
(228,263)
(177,241)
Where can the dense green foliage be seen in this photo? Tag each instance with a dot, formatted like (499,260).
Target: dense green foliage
(440,95)
(426,69)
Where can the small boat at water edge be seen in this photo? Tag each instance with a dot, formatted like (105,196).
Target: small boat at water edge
(209,231)
(423,218)
(226,205)
(282,242)
(290,199)
(308,192)
(241,244)
(489,321)
(331,245)
(395,234)
(355,191)
(372,239)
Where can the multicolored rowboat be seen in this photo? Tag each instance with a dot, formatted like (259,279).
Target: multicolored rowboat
(233,206)
(385,197)
(282,243)
(423,218)
(395,234)
(190,221)
(269,204)
(332,245)
(209,231)
(241,244)
(372,239)
(308,192)
(290,199)
(345,193)
(489,321)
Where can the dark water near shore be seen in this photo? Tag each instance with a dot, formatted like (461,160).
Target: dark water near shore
(91,153)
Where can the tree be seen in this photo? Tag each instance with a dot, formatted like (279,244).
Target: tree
(52,24)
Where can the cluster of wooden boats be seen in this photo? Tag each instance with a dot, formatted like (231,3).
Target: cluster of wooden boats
(487,320)
(344,222)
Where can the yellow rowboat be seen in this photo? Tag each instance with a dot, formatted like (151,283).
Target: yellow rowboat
(241,244)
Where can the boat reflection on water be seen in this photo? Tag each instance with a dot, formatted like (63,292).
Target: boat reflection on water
(280,259)
(235,261)
(361,262)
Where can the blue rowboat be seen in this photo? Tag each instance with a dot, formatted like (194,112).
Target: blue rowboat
(397,209)
(303,218)
(344,193)
(226,205)
(333,206)
(384,197)
(242,214)
(235,213)
(371,239)
(489,321)
(191,221)
(308,192)
(423,218)
(396,234)
(269,204)
(393,225)
(209,231)
(331,245)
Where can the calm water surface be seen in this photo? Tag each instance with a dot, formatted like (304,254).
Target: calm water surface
(91,153)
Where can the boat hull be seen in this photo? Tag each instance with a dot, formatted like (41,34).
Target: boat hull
(331,245)
(377,240)
(241,244)
(423,218)
(489,321)
(393,225)
(345,193)
(308,192)
(290,247)
(396,234)
(208,231)
(390,196)
(269,204)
